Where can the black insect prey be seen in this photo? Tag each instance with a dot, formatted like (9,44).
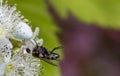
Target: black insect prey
(45,55)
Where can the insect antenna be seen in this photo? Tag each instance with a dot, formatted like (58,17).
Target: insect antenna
(35,42)
(59,47)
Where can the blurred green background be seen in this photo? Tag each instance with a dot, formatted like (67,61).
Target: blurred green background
(105,13)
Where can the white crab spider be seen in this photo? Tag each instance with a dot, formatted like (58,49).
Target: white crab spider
(21,31)
(31,43)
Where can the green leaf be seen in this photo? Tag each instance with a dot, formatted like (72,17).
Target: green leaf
(60,7)
(105,13)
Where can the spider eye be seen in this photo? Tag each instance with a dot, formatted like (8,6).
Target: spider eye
(28,50)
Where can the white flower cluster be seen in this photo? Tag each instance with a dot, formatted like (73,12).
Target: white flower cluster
(16,62)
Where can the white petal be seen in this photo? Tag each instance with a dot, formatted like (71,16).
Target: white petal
(32,69)
(2,68)
(1,2)
(13,73)
(5,48)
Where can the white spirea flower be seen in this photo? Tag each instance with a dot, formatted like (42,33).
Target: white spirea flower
(20,65)
(5,49)
(16,62)
(13,24)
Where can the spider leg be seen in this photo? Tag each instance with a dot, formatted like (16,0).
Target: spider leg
(22,48)
(35,33)
(40,42)
(31,43)
(33,39)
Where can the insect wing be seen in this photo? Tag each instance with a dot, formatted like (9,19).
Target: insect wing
(49,61)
